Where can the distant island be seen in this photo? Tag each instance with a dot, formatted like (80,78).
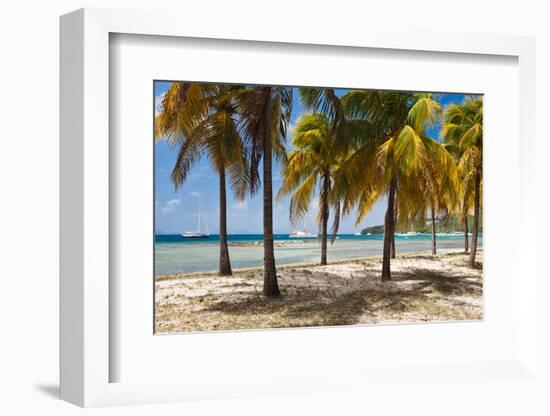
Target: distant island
(441,226)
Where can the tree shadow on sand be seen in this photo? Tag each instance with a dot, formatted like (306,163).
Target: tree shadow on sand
(329,299)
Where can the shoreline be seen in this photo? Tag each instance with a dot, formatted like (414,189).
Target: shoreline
(209,273)
(184,258)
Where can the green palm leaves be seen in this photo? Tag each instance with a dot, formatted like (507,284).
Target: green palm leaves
(201,120)
(236,127)
(329,155)
(359,147)
(463,134)
(265,115)
(313,164)
(350,150)
(427,173)
(310,159)
(398,159)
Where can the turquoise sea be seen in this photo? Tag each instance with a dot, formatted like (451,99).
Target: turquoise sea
(174,254)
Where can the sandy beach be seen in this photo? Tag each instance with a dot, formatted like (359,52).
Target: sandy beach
(346,292)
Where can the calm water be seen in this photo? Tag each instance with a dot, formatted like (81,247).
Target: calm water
(174,254)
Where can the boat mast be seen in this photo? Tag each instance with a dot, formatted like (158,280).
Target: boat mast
(199,219)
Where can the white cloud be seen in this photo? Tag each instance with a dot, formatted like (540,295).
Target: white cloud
(195,194)
(240,205)
(169,207)
(172,202)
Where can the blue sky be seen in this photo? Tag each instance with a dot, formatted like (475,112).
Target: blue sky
(176,211)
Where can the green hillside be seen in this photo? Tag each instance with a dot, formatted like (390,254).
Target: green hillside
(441,226)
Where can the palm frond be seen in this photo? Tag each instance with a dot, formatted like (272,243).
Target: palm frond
(424,113)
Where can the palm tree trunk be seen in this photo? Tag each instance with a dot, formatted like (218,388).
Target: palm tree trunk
(434,249)
(466,233)
(476,219)
(392,249)
(388,232)
(324,219)
(225,263)
(271,286)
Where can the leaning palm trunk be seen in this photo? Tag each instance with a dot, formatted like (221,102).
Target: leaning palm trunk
(466,248)
(324,220)
(475,227)
(434,244)
(389,227)
(392,250)
(271,287)
(324,239)
(225,263)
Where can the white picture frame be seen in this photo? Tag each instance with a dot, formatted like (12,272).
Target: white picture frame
(85,165)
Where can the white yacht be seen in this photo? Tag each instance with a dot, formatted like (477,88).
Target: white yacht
(198,233)
(194,234)
(302,233)
(408,234)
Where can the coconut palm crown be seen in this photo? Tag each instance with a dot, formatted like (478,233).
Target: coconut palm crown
(311,167)
(463,131)
(201,121)
(401,157)
(264,117)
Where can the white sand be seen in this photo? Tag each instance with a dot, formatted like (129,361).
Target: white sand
(423,288)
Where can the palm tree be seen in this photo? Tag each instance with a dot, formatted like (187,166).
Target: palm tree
(313,164)
(466,205)
(434,191)
(264,113)
(463,128)
(395,220)
(399,120)
(201,119)
(341,146)
(465,189)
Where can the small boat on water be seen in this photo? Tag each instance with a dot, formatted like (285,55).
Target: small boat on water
(450,234)
(301,234)
(197,234)
(408,234)
(194,234)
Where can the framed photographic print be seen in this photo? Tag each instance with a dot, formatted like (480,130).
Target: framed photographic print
(243,216)
(350,155)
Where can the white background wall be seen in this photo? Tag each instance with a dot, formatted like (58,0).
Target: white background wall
(29,56)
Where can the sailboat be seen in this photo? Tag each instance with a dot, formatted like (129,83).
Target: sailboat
(197,234)
(301,233)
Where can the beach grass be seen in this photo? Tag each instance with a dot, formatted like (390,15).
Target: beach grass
(424,288)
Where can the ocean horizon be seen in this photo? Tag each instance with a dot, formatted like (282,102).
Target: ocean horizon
(175,254)
(252,237)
